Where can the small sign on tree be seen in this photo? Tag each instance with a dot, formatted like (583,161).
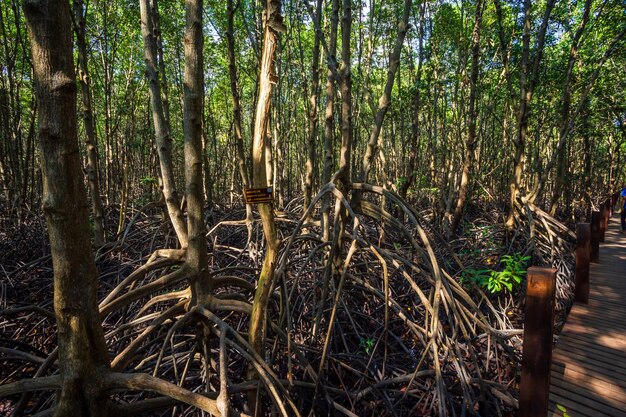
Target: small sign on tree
(258,195)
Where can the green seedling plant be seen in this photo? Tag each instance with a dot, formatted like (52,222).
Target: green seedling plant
(562,410)
(477,276)
(146,181)
(494,281)
(367,345)
(514,270)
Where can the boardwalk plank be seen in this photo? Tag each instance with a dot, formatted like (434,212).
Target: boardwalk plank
(588,384)
(589,359)
(601,404)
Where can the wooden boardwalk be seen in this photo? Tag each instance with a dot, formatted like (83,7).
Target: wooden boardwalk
(589,360)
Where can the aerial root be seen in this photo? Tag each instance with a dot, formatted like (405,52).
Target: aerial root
(388,321)
(552,243)
(444,322)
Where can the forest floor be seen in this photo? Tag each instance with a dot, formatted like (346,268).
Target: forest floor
(354,346)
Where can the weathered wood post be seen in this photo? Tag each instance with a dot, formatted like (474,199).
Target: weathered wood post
(537,348)
(595,237)
(609,202)
(583,249)
(609,213)
(603,217)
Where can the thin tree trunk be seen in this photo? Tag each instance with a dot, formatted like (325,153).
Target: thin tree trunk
(417,103)
(196,257)
(162,131)
(527,85)
(161,62)
(13,104)
(267,78)
(237,118)
(91,141)
(329,126)
(209,181)
(343,175)
(313,128)
(470,146)
(504,50)
(83,353)
(587,171)
(568,122)
(28,178)
(566,99)
(385,99)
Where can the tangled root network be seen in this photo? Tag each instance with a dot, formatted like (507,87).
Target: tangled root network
(367,317)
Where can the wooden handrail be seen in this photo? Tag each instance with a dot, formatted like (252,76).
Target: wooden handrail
(537,347)
(583,249)
(595,236)
(539,312)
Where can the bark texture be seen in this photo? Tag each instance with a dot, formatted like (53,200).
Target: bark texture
(417,104)
(528,80)
(343,175)
(82,350)
(267,79)
(311,160)
(237,118)
(161,128)
(470,146)
(385,100)
(329,119)
(93,176)
(197,257)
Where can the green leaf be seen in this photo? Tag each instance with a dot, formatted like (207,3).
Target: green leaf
(561,408)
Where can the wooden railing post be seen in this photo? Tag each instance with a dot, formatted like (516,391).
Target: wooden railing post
(583,248)
(595,237)
(603,217)
(609,214)
(609,202)
(537,348)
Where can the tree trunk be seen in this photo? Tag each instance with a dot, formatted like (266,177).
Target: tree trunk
(161,61)
(162,131)
(587,171)
(568,120)
(267,79)
(343,175)
(470,146)
(385,99)
(311,161)
(409,176)
(329,126)
(90,130)
(566,99)
(237,118)
(197,257)
(527,85)
(82,350)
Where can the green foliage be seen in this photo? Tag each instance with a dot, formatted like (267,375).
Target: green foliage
(401,181)
(147,181)
(477,276)
(496,281)
(366,344)
(562,410)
